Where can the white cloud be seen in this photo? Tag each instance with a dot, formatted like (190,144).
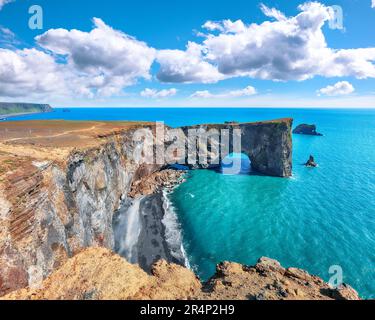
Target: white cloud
(4,2)
(7,32)
(100,63)
(225,26)
(153,93)
(8,39)
(373,4)
(186,66)
(104,61)
(212,26)
(29,72)
(109,59)
(338,89)
(290,48)
(205,94)
(272,13)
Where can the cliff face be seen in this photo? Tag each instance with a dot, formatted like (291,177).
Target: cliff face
(61,182)
(51,211)
(268,144)
(97,273)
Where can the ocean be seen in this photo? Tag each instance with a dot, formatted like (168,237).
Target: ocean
(320,217)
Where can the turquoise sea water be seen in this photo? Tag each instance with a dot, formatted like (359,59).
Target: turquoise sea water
(320,217)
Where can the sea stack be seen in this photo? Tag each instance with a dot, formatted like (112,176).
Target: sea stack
(308,129)
(311,162)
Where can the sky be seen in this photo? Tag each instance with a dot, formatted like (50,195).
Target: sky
(168,53)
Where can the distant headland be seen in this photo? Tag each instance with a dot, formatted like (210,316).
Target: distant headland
(9,109)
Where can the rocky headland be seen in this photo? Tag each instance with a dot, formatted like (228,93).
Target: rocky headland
(63,186)
(307,129)
(8,109)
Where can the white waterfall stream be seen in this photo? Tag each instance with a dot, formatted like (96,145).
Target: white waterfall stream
(127,231)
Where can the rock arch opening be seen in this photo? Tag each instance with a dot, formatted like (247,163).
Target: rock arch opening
(235,163)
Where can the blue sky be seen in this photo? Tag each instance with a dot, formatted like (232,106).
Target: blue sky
(138,54)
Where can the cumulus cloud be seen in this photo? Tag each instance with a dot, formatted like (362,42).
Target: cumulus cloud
(205,94)
(272,13)
(104,61)
(153,93)
(373,4)
(112,59)
(4,2)
(287,48)
(99,63)
(186,66)
(338,89)
(225,26)
(29,72)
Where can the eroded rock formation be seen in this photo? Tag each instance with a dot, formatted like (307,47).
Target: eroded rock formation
(268,144)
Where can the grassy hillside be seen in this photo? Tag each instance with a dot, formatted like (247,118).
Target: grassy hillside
(8,108)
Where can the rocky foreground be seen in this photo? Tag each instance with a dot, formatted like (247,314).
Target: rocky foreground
(97,273)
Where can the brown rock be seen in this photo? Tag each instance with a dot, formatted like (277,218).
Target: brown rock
(155,182)
(97,273)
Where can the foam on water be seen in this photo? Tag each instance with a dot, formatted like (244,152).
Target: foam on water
(173,235)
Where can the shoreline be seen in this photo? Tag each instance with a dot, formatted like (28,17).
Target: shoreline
(6,117)
(158,237)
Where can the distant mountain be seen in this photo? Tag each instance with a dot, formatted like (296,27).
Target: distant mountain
(10,108)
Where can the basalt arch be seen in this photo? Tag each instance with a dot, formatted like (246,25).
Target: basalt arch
(268,144)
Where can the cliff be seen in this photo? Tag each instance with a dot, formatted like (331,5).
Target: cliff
(59,188)
(9,108)
(62,182)
(268,145)
(97,273)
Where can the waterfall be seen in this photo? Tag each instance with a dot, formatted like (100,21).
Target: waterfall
(127,229)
